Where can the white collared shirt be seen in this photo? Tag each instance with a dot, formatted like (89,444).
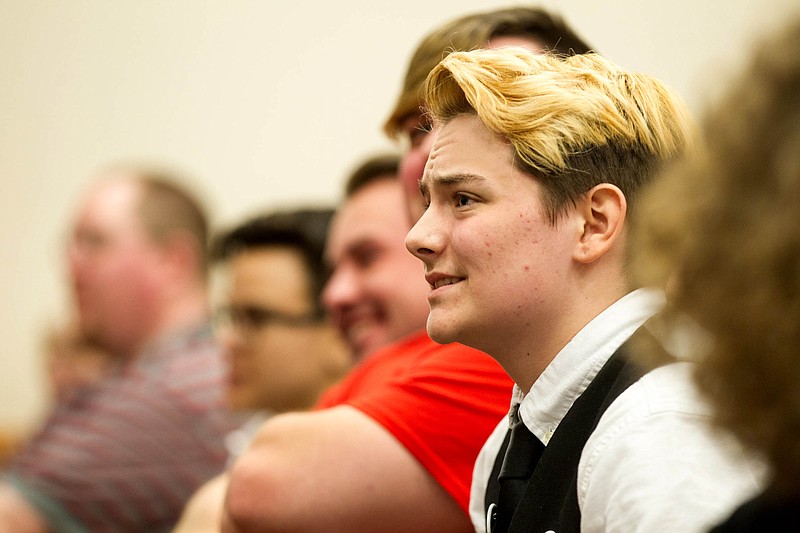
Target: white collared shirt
(652,464)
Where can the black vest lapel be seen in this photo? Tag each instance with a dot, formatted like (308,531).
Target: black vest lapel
(551,498)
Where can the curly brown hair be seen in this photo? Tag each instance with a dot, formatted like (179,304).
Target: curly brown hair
(722,231)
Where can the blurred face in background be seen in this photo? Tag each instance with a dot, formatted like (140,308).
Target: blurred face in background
(116,269)
(282,353)
(376,293)
(418,141)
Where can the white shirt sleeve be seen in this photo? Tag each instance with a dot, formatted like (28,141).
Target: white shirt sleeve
(655,464)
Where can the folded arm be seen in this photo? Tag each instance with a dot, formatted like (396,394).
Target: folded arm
(334,470)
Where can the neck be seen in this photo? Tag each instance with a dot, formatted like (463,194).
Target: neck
(528,355)
(181,311)
(190,309)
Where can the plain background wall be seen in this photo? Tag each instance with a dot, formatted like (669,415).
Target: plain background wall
(264,103)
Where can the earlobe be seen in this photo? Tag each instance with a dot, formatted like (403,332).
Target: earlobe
(602,212)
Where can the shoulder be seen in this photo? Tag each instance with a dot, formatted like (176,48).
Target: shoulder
(457,362)
(662,404)
(422,349)
(664,390)
(188,370)
(654,458)
(421,369)
(424,372)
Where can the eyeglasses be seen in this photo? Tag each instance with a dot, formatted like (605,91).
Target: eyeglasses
(247,319)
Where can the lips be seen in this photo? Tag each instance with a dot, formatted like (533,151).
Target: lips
(358,331)
(445,281)
(436,280)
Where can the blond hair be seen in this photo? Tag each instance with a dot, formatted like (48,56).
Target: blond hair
(574,122)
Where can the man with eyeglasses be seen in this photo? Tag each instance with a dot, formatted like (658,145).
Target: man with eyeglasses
(126,452)
(282,351)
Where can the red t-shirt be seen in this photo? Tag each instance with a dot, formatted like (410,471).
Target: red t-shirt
(441,401)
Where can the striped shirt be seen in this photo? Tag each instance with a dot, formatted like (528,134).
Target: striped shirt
(126,454)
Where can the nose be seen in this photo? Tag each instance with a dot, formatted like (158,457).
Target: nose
(425,239)
(229,337)
(341,290)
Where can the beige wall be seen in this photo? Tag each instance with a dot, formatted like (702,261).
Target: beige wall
(264,102)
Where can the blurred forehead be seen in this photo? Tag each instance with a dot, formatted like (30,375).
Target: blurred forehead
(374,213)
(110,204)
(525,41)
(274,275)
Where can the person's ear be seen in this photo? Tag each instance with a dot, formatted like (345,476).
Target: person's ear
(180,253)
(602,213)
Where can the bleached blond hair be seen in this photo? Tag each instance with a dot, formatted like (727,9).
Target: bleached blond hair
(574,122)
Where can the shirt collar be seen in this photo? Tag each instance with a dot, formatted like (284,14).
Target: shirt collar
(577,364)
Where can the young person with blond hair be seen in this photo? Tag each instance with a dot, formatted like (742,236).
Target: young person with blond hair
(536,165)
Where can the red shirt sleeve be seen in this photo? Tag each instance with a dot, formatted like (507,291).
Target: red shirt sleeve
(440,401)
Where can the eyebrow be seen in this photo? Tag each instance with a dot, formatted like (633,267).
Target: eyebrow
(449,179)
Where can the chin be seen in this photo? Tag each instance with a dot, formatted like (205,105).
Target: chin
(441,333)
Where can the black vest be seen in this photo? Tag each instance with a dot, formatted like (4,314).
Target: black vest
(550,501)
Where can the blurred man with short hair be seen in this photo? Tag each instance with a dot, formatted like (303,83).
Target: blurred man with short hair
(125,453)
